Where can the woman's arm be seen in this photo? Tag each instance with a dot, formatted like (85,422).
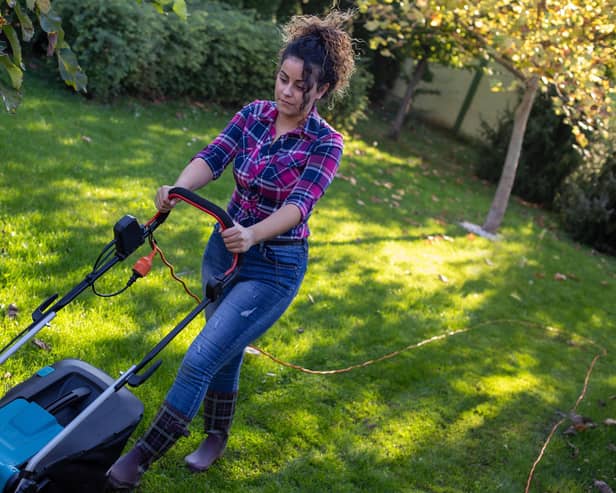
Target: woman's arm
(239,239)
(195,175)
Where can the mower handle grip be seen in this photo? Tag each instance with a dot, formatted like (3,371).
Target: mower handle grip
(205,205)
(213,210)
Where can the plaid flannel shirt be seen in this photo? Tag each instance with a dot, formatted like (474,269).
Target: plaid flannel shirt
(294,169)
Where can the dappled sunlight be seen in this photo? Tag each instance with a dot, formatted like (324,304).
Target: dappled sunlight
(502,386)
(359,150)
(390,269)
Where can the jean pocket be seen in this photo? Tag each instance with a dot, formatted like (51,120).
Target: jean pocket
(284,257)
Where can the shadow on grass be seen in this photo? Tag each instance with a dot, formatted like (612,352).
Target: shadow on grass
(467,413)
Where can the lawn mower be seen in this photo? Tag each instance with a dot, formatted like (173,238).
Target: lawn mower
(62,428)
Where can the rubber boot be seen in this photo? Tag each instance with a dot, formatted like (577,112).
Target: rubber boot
(218,411)
(168,426)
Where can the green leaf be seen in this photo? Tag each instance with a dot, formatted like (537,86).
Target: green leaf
(44,6)
(27,29)
(70,70)
(50,22)
(10,97)
(11,35)
(13,70)
(179,7)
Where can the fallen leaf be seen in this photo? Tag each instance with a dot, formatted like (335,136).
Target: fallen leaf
(87,139)
(609,422)
(361,202)
(443,278)
(311,298)
(253,351)
(299,330)
(560,277)
(579,423)
(41,344)
(602,486)
(7,375)
(13,311)
(488,262)
(516,296)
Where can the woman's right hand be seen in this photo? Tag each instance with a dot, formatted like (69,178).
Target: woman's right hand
(162,201)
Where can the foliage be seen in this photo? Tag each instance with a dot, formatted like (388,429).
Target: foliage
(587,204)
(178,7)
(219,54)
(570,47)
(543,44)
(401,29)
(282,10)
(15,17)
(547,156)
(345,112)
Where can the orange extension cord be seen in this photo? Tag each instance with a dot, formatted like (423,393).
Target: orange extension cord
(144,264)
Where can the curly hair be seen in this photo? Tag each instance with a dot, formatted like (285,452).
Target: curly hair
(322,44)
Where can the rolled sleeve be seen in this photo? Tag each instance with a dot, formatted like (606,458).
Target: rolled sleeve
(317,175)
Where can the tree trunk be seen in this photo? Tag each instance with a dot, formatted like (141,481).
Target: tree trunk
(407,101)
(505,184)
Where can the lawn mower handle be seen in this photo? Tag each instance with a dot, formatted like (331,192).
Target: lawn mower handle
(47,310)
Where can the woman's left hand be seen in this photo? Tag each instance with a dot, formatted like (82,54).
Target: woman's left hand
(238,239)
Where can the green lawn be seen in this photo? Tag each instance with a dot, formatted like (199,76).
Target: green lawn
(390,267)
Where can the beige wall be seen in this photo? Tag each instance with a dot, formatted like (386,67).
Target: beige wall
(453,85)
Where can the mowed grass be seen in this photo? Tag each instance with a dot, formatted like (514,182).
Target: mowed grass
(390,268)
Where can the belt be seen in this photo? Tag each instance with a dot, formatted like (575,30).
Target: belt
(285,242)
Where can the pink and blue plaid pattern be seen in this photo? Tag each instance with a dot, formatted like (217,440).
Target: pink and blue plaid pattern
(295,169)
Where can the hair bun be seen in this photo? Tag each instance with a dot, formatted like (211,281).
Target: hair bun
(337,42)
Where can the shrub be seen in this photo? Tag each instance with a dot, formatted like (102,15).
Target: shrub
(587,204)
(220,54)
(345,112)
(111,38)
(547,155)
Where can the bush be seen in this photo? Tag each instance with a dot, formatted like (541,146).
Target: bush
(587,204)
(345,112)
(220,54)
(547,155)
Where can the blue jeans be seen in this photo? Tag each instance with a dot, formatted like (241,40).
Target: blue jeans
(268,279)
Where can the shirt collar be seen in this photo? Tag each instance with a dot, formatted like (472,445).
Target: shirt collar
(310,127)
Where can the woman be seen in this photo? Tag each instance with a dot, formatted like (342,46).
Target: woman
(285,156)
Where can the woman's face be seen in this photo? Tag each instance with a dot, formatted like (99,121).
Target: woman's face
(289,90)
